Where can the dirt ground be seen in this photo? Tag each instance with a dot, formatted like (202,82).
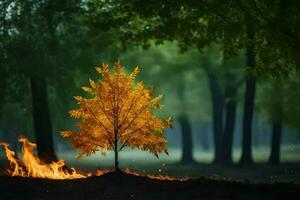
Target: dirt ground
(125,186)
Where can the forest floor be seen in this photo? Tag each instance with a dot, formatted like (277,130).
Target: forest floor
(256,173)
(125,186)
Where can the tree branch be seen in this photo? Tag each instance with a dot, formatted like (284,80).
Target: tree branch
(135,117)
(101,124)
(132,133)
(103,108)
(127,113)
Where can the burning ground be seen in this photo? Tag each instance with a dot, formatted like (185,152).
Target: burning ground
(30,178)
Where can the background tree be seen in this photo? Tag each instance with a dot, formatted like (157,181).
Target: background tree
(276,106)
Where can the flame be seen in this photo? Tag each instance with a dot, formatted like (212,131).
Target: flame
(100,172)
(32,166)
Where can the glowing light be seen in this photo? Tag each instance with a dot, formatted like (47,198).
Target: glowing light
(31,166)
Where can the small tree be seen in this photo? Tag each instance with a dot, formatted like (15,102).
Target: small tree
(118,113)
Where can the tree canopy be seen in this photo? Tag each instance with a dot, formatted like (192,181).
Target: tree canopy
(118,111)
(275,25)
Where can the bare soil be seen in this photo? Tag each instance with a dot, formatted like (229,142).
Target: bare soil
(125,186)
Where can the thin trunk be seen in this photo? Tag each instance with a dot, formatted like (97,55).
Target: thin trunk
(116,161)
(186,132)
(230,116)
(277,123)
(187,142)
(42,120)
(249,105)
(276,140)
(117,169)
(217,111)
(257,134)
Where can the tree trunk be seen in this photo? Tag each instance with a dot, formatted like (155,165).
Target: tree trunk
(276,140)
(117,161)
(217,108)
(230,116)
(187,142)
(117,169)
(277,123)
(249,105)
(42,120)
(186,131)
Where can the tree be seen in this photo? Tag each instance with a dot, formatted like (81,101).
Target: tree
(249,101)
(118,114)
(224,79)
(277,104)
(270,106)
(185,125)
(277,130)
(233,81)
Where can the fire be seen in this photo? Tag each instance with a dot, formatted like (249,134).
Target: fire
(31,166)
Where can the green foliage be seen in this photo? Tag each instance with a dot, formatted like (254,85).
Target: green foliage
(175,74)
(199,23)
(277,99)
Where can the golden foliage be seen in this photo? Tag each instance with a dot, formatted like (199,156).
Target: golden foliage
(119,113)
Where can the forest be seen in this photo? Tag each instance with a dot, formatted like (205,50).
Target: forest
(225,73)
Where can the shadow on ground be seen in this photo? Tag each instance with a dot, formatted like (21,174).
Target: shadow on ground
(125,186)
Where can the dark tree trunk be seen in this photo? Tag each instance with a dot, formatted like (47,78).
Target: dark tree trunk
(187,141)
(276,140)
(42,120)
(117,169)
(277,123)
(230,116)
(217,111)
(117,161)
(186,131)
(249,105)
